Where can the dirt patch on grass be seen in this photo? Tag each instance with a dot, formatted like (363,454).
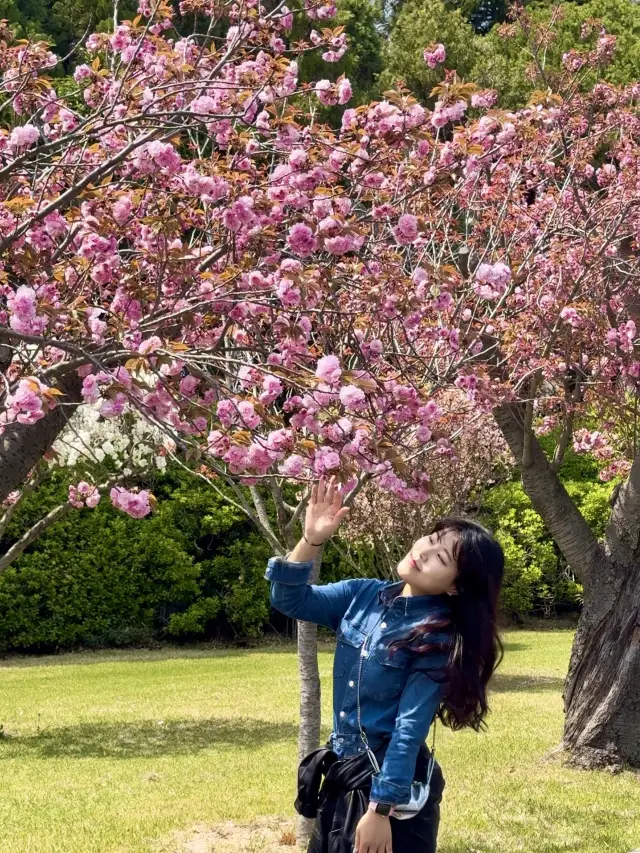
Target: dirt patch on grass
(264,835)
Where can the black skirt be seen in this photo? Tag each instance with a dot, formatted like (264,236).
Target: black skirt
(336,793)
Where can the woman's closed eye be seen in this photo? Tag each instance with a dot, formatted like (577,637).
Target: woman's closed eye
(437,539)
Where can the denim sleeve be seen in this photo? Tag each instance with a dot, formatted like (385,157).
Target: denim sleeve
(293,595)
(418,704)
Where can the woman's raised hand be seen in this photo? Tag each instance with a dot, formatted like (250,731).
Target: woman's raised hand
(324,511)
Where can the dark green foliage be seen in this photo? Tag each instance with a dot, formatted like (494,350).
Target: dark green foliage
(537,578)
(99,577)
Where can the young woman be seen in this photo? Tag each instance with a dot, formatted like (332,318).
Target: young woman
(406,651)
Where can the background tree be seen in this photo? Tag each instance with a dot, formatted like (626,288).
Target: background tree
(459,480)
(418,24)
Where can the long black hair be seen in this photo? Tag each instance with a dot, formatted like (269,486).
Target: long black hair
(474,646)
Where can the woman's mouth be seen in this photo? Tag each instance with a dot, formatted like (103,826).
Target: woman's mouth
(413,563)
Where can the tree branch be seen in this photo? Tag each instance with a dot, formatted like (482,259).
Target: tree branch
(261,510)
(32,534)
(549,497)
(33,482)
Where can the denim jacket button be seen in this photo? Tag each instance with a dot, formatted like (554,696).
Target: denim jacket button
(352,684)
(383,624)
(343,713)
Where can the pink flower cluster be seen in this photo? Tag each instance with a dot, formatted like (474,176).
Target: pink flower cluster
(23,137)
(435,55)
(591,442)
(157,155)
(27,405)
(301,240)
(328,369)
(444,113)
(318,11)
(210,189)
(331,94)
(492,280)
(84,494)
(484,100)
(618,468)
(95,386)
(136,504)
(23,307)
(623,337)
(571,317)
(406,231)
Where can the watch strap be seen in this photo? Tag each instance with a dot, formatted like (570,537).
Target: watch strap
(384,809)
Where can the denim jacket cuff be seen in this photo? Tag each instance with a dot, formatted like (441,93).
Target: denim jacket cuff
(283,571)
(386,792)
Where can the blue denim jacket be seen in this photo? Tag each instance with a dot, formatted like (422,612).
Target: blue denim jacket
(398,699)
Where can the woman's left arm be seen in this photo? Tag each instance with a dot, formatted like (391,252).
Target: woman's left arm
(418,704)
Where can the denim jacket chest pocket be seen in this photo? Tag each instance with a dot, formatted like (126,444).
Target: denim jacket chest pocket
(350,639)
(384,673)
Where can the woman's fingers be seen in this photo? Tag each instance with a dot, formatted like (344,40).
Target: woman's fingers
(330,494)
(321,490)
(314,495)
(341,514)
(388,848)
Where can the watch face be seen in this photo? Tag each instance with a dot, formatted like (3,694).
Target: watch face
(383,808)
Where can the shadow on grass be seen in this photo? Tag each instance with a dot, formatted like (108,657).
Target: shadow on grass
(525,683)
(516,647)
(147,738)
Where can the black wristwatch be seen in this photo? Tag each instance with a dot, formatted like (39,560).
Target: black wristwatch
(383,809)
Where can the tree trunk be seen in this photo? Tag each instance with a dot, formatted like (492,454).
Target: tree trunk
(310,708)
(23,446)
(602,689)
(602,692)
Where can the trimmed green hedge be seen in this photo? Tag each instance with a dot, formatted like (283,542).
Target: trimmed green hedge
(99,577)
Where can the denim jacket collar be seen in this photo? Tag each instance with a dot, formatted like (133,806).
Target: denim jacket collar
(390,594)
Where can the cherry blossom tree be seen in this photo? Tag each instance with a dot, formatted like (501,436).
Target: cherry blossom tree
(181,238)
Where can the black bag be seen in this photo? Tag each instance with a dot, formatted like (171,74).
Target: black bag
(336,793)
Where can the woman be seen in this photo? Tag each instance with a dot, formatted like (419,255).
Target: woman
(406,651)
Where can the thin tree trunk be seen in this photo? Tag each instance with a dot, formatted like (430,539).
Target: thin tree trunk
(310,698)
(602,689)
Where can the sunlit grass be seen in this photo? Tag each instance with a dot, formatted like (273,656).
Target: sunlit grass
(113,752)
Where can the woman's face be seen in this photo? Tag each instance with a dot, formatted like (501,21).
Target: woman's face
(430,567)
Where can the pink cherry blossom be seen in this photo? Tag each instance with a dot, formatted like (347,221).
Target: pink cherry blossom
(345,92)
(135,504)
(292,466)
(352,397)
(23,137)
(435,55)
(150,346)
(328,369)
(26,404)
(325,91)
(406,231)
(301,239)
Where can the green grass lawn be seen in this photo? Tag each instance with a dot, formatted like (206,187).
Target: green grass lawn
(114,752)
